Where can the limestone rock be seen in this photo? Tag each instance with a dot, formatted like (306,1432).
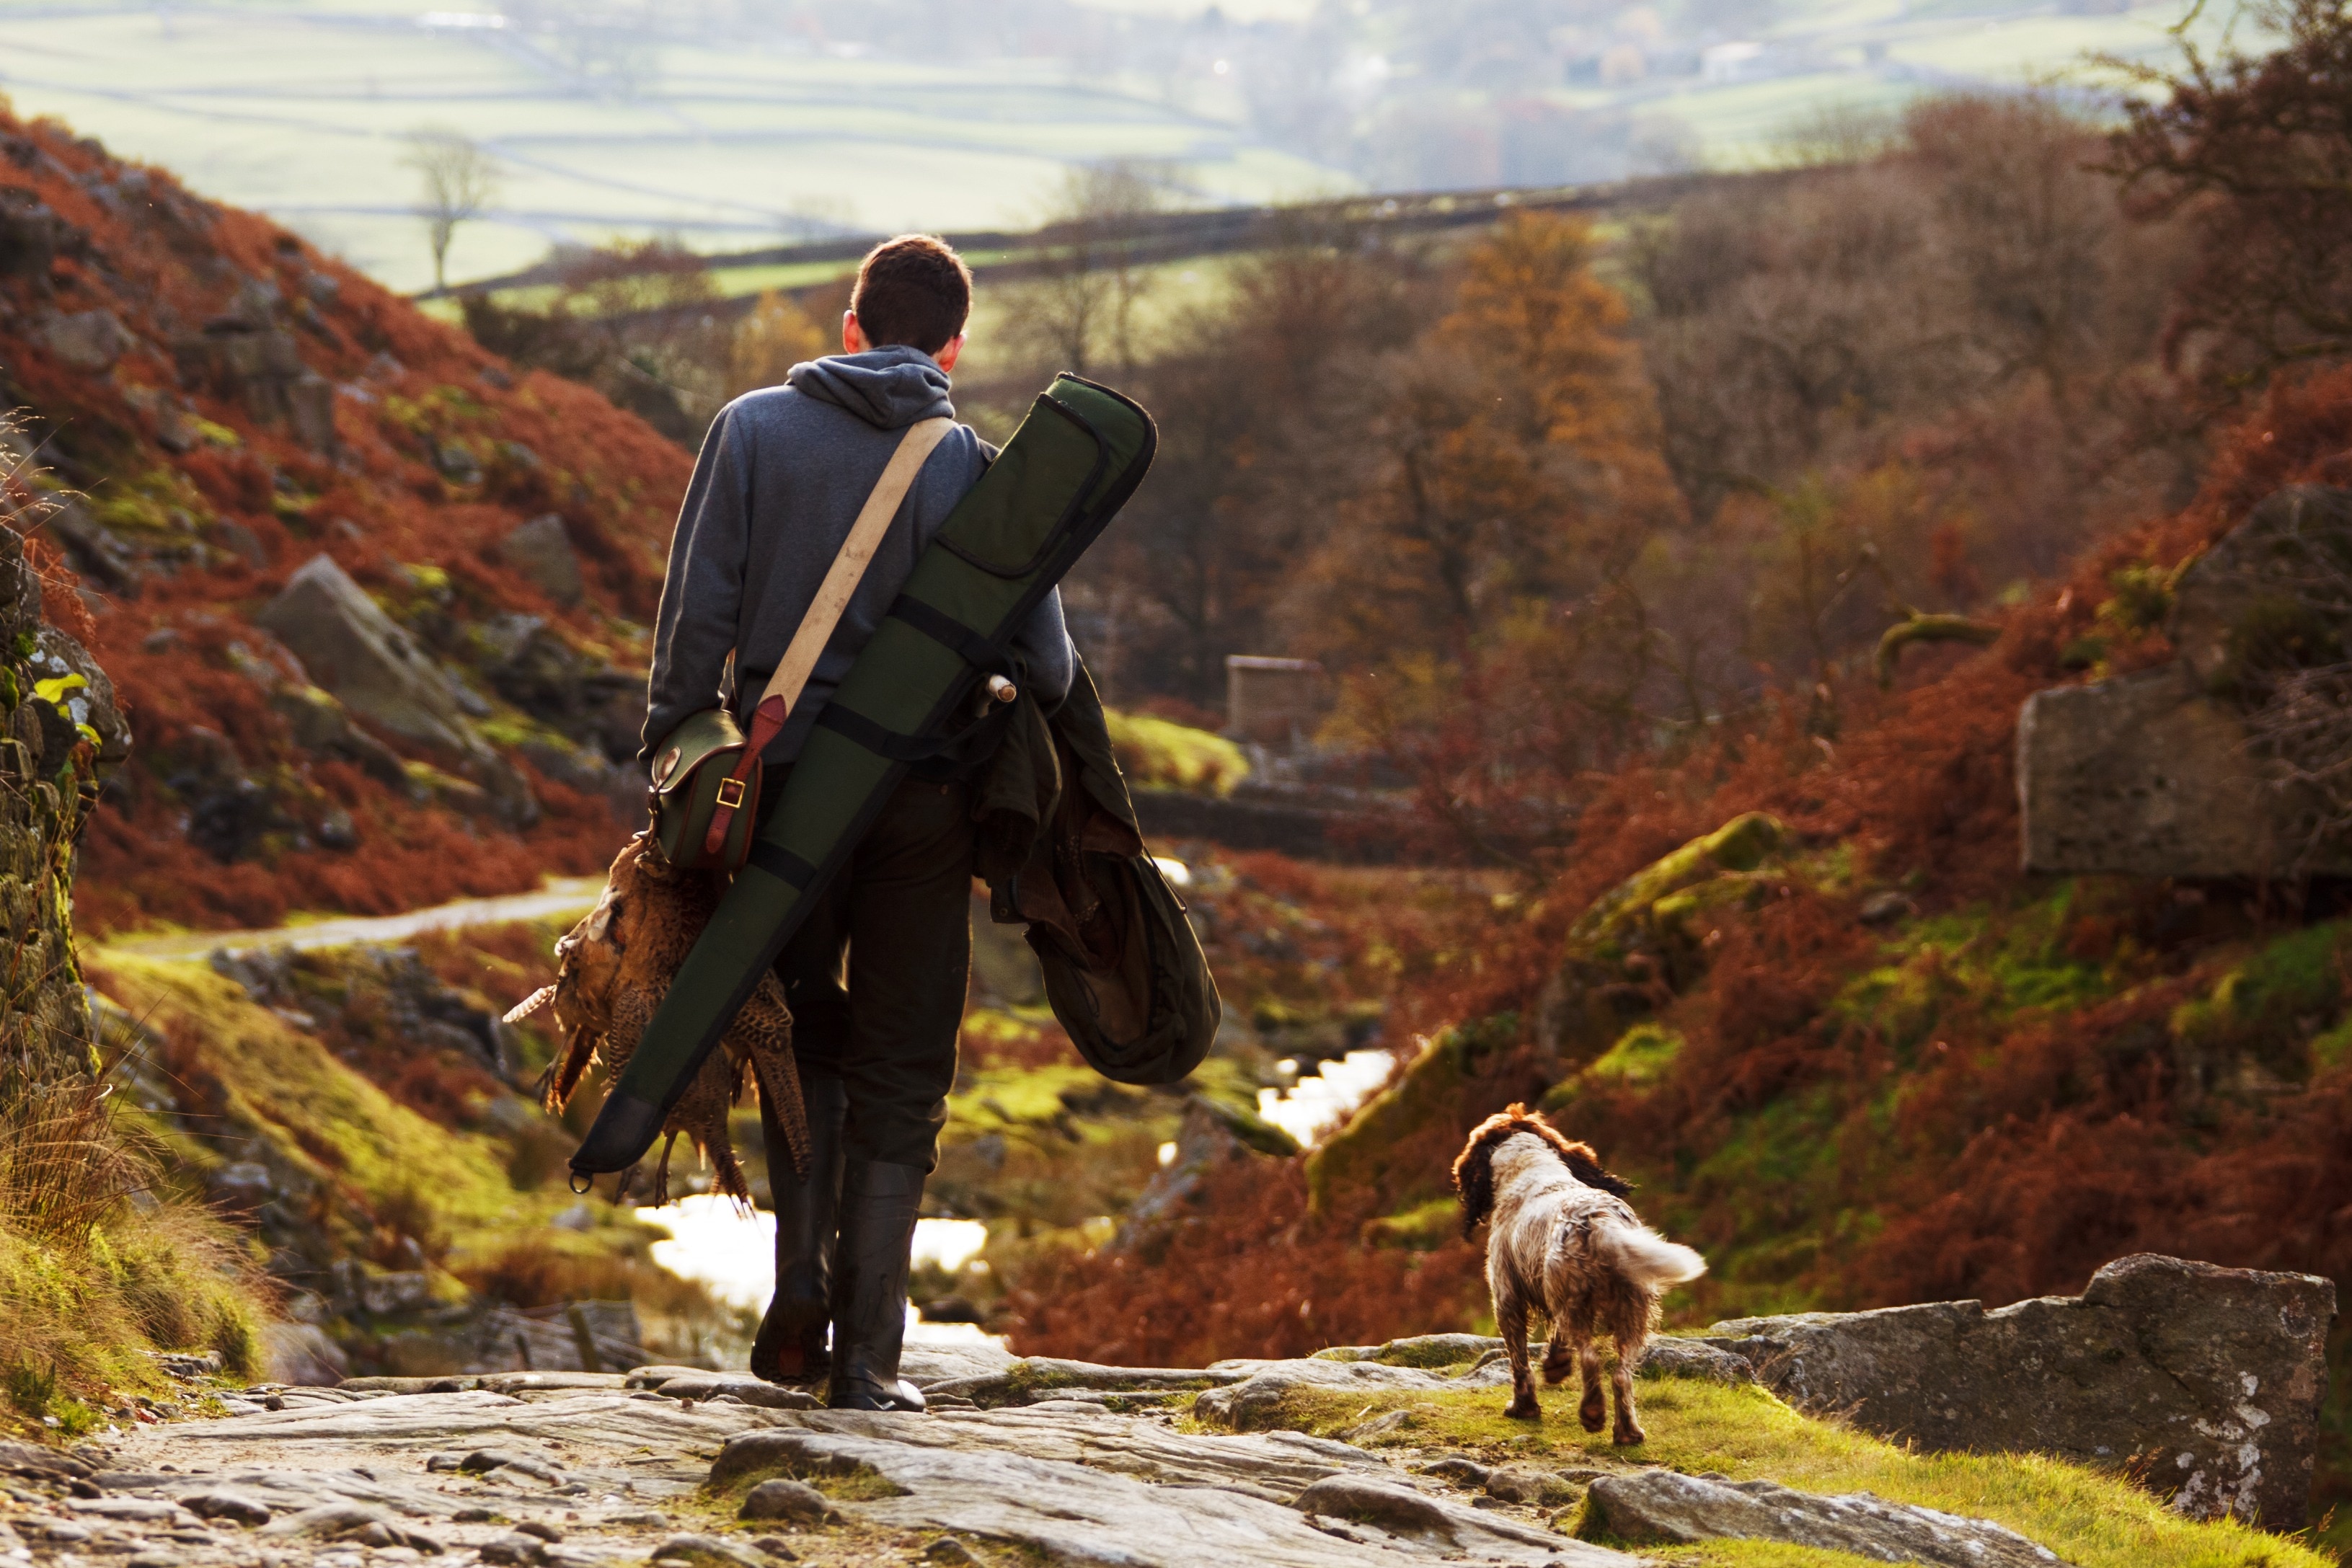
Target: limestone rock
(87,339)
(1529,1484)
(1666,1357)
(1258,1399)
(1658,1505)
(2148,775)
(322,726)
(1076,1514)
(303,1356)
(2205,1381)
(351,647)
(223,1502)
(542,551)
(2153,774)
(788,1500)
(2248,585)
(749,1390)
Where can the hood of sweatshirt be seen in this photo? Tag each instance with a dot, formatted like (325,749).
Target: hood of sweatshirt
(890,389)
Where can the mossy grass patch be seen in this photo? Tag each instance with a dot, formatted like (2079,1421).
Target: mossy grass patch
(2091,1520)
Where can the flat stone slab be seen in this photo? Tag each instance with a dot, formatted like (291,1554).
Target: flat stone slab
(1073,1514)
(1662,1506)
(620,1475)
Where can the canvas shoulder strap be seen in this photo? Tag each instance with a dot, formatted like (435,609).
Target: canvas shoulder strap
(833,597)
(848,568)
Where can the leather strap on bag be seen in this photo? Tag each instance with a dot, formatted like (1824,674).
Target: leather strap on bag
(833,597)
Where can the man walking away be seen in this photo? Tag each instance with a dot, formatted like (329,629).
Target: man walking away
(876,974)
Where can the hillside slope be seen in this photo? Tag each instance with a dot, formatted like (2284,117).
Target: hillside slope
(1842,1045)
(227,405)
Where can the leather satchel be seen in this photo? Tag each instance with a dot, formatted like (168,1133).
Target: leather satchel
(707,771)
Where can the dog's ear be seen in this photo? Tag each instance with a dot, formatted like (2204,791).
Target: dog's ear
(1586,1169)
(1474,1169)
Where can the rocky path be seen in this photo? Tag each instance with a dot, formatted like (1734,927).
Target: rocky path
(1017,1462)
(1039,1460)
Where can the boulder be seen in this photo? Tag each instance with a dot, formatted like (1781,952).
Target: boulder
(87,339)
(300,1355)
(2204,1382)
(796,1501)
(351,648)
(2250,588)
(2157,774)
(2148,775)
(541,550)
(1658,1505)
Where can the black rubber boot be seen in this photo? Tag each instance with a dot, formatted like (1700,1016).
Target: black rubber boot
(878,1206)
(791,1345)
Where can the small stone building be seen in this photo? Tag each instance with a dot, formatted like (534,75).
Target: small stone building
(1274,702)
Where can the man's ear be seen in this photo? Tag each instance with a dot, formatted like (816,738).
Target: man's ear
(853,336)
(947,356)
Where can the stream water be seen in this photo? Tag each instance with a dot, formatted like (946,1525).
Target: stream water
(733,1254)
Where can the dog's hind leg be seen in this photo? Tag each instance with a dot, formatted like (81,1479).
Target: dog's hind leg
(1592,1410)
(1511,1320)
(1630,1326)
(1560,1355)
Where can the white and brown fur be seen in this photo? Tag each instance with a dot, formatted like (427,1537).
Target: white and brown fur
(1563,1242)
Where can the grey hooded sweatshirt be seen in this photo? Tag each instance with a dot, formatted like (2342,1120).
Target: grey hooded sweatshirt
(782,477)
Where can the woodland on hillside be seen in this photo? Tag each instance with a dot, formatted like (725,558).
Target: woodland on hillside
(1616,486)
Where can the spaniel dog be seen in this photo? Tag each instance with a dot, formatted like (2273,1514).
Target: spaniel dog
(1564,1243)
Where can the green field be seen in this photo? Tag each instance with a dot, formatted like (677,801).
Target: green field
(748,141)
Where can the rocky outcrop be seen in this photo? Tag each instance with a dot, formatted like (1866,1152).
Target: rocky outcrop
(353,649)
(2144,775)
(61,734)
(1661,1506)
(541,550)
(2204,1382)
(2159,773)
(246,353)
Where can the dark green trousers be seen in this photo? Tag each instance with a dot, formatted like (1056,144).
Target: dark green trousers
(876,975)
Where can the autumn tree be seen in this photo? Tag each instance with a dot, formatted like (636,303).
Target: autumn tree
(767,342)
(2255,151)
(1477,594)
(1265,392)
(1521,459)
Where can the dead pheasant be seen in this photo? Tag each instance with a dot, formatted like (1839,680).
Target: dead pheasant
(613,970)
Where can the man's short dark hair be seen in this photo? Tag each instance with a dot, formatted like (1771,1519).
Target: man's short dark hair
(915,290)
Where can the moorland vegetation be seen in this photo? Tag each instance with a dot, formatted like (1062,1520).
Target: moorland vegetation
(1747,526)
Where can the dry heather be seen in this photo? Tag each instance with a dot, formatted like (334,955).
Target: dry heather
(440,451)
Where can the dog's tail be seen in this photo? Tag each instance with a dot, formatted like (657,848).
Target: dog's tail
(1646,1258)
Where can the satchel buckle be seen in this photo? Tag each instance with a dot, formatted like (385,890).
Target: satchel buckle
(730,792)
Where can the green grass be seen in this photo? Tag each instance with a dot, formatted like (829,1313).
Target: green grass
(326,1119)
(1157,752)
(2090,1520)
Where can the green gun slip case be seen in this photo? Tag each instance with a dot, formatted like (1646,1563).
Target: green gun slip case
(1076,458)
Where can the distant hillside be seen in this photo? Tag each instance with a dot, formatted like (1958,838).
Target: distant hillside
(230,409)
(732,126)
